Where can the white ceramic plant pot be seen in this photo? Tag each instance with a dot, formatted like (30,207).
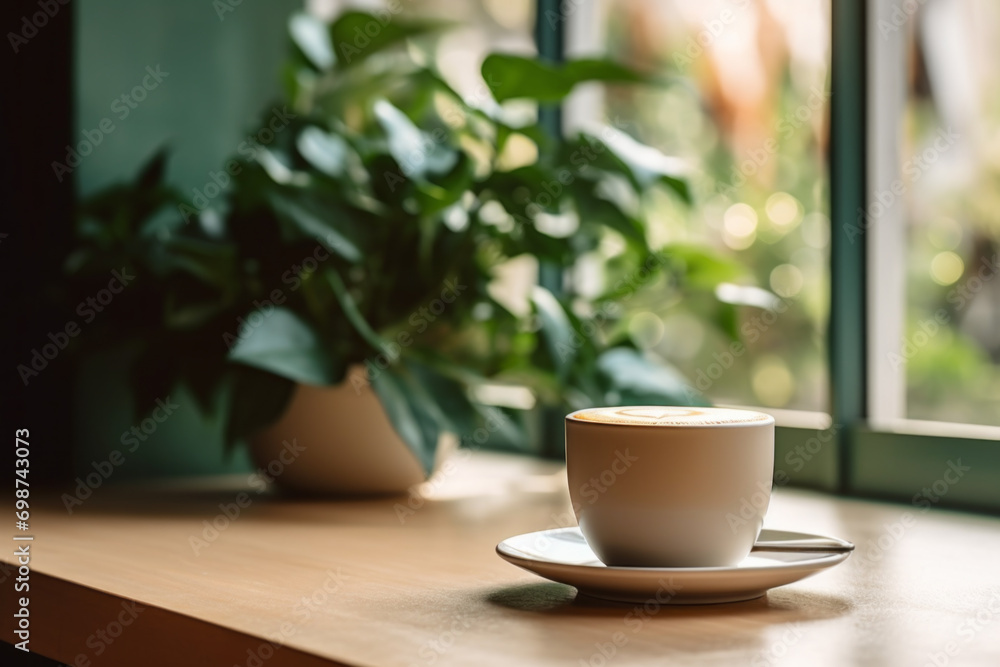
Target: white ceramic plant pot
(339,441)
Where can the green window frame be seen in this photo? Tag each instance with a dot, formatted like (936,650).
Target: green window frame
(844,452)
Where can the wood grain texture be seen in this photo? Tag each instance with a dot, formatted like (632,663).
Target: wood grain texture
(416,582)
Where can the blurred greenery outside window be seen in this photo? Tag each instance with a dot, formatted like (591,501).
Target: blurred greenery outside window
(746,106)
(749,108)
(754,137)
(932,230)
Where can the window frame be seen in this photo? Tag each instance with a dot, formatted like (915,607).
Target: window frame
(550,40)
(847,451)
(884,454)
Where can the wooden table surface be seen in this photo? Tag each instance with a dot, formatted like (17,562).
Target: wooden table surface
(139,576)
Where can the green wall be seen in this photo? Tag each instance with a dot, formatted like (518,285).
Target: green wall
(217,75)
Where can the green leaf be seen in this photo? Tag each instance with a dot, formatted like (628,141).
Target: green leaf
(727,318)
(351,311)
(123,211)
(644,164)
(702,268)
(631,272)
(257,400)
(324,151)
(317,221)
(189,312)
(510,186)
(447,189)
(313,39)
(635,380)
(414,424)
(202,372)
(417,153)
(594,209)
(510,77)
(282,344)
(557,330)
(358,35)
(506,428)
(152,173)
(450,396)
(545,248)
(599,69)
(210,262)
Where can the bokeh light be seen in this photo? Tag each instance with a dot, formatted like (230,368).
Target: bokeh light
(646,329)
(783,210)
(773,383)
(739,226)
(786,280)
(946,268)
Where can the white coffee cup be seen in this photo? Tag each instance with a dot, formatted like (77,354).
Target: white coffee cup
(656,486)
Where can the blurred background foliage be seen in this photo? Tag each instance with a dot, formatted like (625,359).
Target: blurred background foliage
(752,116)
(747,110)
(952,204)
(371,190)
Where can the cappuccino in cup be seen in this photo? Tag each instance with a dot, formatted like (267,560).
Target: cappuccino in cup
(656,486)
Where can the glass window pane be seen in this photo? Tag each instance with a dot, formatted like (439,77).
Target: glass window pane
(745,105)
(950,166)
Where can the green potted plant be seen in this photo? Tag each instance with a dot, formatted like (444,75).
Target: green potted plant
(351,284)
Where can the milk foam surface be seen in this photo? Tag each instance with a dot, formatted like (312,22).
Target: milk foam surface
(672,416)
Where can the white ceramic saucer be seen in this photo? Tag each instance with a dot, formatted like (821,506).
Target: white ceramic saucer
(562,555)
